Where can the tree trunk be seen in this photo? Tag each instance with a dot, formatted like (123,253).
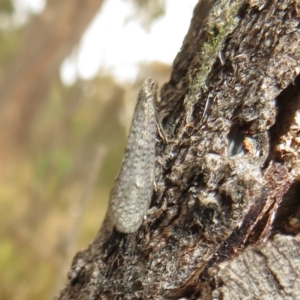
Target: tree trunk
(49,38)
(226,180)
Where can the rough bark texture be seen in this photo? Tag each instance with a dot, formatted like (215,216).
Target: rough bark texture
(270,271)
(227,178)
(49,38)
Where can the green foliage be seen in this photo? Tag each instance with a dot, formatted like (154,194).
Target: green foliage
(155,8)
(6,6)
(6,253)
(147,11)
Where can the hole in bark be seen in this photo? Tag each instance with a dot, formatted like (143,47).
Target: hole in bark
(235,137)
(287,103)
(225,202)
(287,220)
(199,217)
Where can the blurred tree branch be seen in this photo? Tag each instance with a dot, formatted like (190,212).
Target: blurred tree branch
(47,40)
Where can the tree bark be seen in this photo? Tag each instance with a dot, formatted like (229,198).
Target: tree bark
(226,180)
(269,271)
(49,38)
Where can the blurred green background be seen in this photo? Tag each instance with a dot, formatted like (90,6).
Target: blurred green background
(60,147)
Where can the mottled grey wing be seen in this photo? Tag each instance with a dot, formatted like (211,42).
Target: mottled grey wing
(131,195)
